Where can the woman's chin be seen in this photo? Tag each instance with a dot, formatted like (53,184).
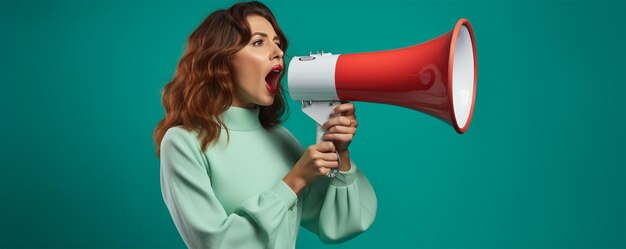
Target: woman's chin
(267,101)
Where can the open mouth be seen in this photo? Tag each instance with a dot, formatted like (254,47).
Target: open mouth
(271,80)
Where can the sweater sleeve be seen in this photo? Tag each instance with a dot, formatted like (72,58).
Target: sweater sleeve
(340,208)
(260,222)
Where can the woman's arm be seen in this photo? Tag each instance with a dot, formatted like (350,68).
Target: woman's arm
(263,221)
(339,208)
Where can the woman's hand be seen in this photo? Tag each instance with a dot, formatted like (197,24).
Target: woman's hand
(341,127)
(316,162)
(319,159)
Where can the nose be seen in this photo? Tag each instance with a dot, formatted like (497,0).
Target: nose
(277,52)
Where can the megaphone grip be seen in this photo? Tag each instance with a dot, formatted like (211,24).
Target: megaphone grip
(320,134)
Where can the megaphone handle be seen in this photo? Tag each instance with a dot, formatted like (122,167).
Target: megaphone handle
(320,112)
(320,133)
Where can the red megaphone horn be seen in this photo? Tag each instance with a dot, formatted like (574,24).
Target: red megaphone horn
(437,77)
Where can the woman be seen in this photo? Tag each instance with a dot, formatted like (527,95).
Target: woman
(231,175)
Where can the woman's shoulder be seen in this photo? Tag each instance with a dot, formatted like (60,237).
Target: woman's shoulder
(179,134)
(286,137)
(180,130)
(281,131)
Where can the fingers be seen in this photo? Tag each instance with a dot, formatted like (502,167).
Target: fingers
(331,156)
(341,130)
(326,159)
(324,147)
(319,160)
(345,108)
(344,138)
(325,153)
(341,120)
(325,171)
(319,163)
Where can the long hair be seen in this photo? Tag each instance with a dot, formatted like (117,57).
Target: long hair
(202,86)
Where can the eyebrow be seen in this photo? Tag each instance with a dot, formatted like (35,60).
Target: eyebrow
(265,35)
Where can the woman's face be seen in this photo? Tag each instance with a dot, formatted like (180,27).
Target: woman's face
(257,66)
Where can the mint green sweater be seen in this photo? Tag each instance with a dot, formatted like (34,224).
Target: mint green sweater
(232,195)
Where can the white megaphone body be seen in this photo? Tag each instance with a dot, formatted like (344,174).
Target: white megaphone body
(437,77)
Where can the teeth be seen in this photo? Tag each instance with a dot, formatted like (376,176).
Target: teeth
(276,70)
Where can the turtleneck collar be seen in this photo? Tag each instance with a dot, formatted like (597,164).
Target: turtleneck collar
(242,119)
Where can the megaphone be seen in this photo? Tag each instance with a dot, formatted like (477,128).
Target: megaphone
(437,77)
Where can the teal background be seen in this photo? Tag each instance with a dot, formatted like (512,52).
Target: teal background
(543,164)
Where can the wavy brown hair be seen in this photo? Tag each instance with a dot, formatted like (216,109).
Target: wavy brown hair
(202,86)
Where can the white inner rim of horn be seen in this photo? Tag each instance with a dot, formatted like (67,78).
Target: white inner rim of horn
(463,77)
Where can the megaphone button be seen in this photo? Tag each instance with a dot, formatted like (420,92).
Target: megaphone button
(306,58)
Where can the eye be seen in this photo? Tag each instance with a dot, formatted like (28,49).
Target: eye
(257,43)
